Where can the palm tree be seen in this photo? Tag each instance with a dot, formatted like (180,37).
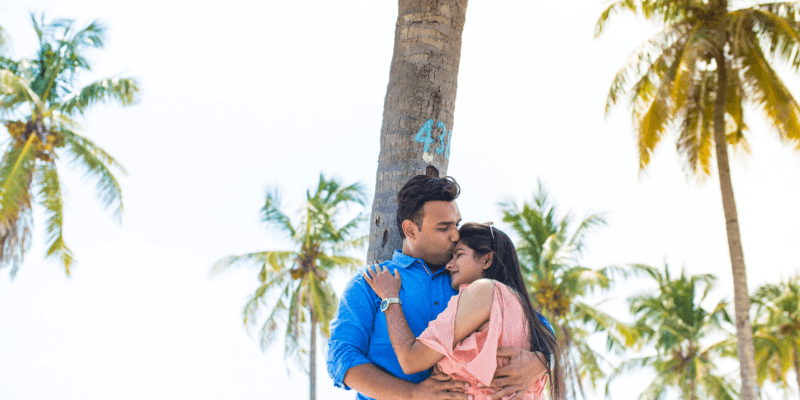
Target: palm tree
(305,298)
(707,45)
(673,320)
(777,331)
(418,110)
(549,250)
(39,102)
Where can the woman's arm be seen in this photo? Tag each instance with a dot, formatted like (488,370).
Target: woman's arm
(474,307)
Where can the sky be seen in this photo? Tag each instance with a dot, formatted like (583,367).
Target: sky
(238,96)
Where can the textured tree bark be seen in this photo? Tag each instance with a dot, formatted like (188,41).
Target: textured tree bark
(797,365)
(741,299)
(312,355)
(418,109)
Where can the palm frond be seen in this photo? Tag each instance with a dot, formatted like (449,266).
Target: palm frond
(653,108)
(51,199)
(272,214)
(620,336)
(126,90)
(329,262)
(277,316)
(276,259)
(16,178)
(613,9)
(587,225)
(96,163)
(777,25)
(766,90)
(648,63)
(15,90)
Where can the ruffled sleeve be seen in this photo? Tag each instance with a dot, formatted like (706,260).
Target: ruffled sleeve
(476,355)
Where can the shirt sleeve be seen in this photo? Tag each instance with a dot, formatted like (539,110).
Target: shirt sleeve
(545,322)
(351,329)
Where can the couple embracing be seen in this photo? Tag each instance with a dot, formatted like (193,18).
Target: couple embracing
(448,317)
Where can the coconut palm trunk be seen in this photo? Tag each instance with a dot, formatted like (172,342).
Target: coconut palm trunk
(418,109)
(312,356)
(797,365)
(741,299)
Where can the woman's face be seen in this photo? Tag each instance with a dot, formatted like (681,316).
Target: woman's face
(464,267)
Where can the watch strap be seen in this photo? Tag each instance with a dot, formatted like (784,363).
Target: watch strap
(389,301)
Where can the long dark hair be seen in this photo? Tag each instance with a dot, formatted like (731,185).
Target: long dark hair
(484,239)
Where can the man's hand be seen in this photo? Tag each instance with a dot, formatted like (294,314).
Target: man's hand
(440,387)
(519,374)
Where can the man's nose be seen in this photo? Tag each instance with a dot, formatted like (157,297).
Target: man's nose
(454,235)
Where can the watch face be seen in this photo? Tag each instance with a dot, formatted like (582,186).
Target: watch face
(384,304)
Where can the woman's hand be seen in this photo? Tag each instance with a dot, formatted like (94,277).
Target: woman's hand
(381,280)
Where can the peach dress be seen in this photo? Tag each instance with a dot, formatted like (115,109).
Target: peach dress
(475,359)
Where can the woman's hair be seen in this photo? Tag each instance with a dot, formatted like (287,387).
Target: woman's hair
(505,268)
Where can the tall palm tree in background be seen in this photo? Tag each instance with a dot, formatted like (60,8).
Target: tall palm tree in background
(549,250)
(696,75)
(673,320)
(418,110)
(777,331)
(38,104)
(305,298)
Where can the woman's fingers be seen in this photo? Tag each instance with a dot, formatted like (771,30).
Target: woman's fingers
(368,273)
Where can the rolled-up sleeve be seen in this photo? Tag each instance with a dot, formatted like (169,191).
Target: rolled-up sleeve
(351,329)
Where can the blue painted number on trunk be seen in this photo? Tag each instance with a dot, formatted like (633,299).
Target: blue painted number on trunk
(425,136)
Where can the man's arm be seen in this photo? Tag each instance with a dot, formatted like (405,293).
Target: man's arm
(376,383)
(519,375)
(348,365)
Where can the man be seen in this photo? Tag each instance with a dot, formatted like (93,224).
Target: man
(360,354)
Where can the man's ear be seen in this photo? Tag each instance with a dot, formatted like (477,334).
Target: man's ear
(410,229)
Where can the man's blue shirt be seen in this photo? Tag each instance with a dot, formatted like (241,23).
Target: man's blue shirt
(358,332)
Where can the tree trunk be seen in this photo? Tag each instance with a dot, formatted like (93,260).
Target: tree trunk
(797,365)
(741,300)
(418,110)
(312,356)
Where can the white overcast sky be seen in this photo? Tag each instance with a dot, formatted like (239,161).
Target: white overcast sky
(239,95)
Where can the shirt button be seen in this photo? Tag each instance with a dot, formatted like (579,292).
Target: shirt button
(436,303)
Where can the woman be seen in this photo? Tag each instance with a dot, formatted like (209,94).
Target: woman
(491,310)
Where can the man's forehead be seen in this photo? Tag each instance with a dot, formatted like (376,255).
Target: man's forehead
(437,212)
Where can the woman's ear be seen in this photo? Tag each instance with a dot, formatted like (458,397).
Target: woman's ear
(487,262)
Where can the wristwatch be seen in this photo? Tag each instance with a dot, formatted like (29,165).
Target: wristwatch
(389,300)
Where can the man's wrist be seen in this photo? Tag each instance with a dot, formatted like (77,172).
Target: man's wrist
(388,301)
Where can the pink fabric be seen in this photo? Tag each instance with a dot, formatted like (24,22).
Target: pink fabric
(475,359)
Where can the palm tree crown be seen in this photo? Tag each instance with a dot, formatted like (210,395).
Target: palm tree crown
(305,297)
(38,102)
(549,248)
(673,320)
(696,76)
(673,82)
(777,331)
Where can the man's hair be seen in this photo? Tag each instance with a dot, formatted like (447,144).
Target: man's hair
(419,190)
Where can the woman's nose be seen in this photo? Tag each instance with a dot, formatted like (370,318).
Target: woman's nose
(450,266)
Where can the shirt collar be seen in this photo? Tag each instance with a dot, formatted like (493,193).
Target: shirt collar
(403,260)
